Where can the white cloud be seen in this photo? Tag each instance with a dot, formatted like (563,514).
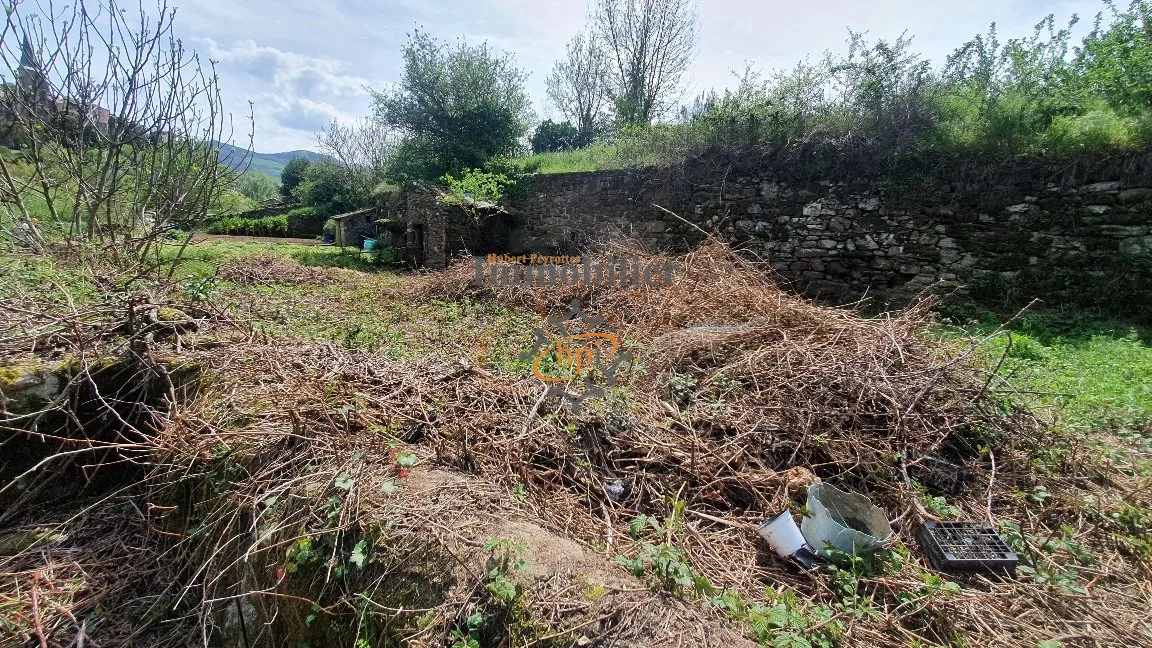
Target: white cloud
(304,62)
(293,94)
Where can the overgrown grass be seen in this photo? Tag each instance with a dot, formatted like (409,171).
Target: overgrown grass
(1091,375)
(51,280)
(203,258)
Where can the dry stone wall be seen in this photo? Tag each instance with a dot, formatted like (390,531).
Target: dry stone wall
(1072,236)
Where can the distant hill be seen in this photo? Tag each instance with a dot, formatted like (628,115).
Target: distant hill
(267,163)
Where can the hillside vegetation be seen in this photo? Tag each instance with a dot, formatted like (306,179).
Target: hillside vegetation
(269,164)
(993,97)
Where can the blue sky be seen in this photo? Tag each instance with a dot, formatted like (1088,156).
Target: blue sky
(305,61)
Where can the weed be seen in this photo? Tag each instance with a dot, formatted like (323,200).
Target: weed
(659,563)
(682,386)
(504,557)
(1037,556)
(787,621)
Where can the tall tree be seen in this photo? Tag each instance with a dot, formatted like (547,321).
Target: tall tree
(459,106)
(258,186)
(364,144)
(293,174)
(578,86)
(650,45)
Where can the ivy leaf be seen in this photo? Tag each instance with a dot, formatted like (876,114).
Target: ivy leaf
(344,482)
(359,553)
(388,488)
(406,459)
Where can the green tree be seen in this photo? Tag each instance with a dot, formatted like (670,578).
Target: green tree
(458,107)
(293,174)
(333,188)
(1117,61)
(258,186)
(556,136)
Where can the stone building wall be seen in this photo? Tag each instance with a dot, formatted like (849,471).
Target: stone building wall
(1000,237)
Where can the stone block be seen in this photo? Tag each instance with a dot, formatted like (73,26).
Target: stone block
(1101,186)
(1136,194)
(1136,245)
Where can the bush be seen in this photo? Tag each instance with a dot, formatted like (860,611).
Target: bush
(556,136)
(474,186)
(304,213)
(265,226)
(258,186)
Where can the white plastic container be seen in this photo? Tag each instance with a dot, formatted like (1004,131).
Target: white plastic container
(847,521)
(782,534)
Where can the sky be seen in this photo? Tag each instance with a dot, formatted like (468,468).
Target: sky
(303,62)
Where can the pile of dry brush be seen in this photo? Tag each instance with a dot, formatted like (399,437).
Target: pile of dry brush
(738,381)
(740,393)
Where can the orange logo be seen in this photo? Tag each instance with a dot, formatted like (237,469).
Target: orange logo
(584,342)
(576,353)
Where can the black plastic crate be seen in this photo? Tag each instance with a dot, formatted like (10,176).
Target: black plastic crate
(966,546)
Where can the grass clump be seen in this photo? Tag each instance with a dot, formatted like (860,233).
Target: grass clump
(1099,373)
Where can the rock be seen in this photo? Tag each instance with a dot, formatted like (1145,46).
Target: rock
(836,268)
(869,204)
(1136,245)
(812,209)
(1101,186)
(1098,209)
(1016,209)
(1135,194)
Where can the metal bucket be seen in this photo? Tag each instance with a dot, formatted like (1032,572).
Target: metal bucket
(845,521)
